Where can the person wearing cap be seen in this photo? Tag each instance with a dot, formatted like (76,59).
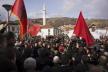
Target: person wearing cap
(30,65)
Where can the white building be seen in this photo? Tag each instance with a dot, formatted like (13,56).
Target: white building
(96,34)
(13,27)
(49,30)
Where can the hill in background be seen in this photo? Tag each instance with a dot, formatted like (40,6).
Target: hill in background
(60,21)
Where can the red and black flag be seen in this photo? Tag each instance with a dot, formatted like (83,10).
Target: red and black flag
(18,9)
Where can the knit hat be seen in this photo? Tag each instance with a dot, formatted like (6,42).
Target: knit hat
(106,53)
(61,49)
(56,59)
(30,63)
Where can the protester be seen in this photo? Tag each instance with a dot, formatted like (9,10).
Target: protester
(52,54)
(30,65)
(7,54)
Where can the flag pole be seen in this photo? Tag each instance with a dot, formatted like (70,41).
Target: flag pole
(106,31)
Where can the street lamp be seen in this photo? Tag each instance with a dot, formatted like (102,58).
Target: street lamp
(7,8)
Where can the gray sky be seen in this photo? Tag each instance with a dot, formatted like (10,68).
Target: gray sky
(64,8)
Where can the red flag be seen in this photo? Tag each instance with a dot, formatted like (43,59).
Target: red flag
(81,30)
(19,10)
(33,30)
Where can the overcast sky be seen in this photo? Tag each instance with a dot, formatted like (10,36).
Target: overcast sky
(62,8)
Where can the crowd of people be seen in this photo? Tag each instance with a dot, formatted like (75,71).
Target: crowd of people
(52,54)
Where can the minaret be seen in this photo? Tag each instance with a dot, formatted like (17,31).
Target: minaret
(44,14)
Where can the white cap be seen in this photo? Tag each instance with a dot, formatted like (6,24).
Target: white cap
(106,53)
(30,63)
(56,59)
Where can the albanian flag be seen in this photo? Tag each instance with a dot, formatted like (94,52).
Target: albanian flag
(33,30)
(81,30)
(18,9)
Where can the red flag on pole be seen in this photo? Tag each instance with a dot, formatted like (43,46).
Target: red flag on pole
(81,30)
(18,9)
(33,30)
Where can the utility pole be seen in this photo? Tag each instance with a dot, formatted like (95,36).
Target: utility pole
(7,8)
